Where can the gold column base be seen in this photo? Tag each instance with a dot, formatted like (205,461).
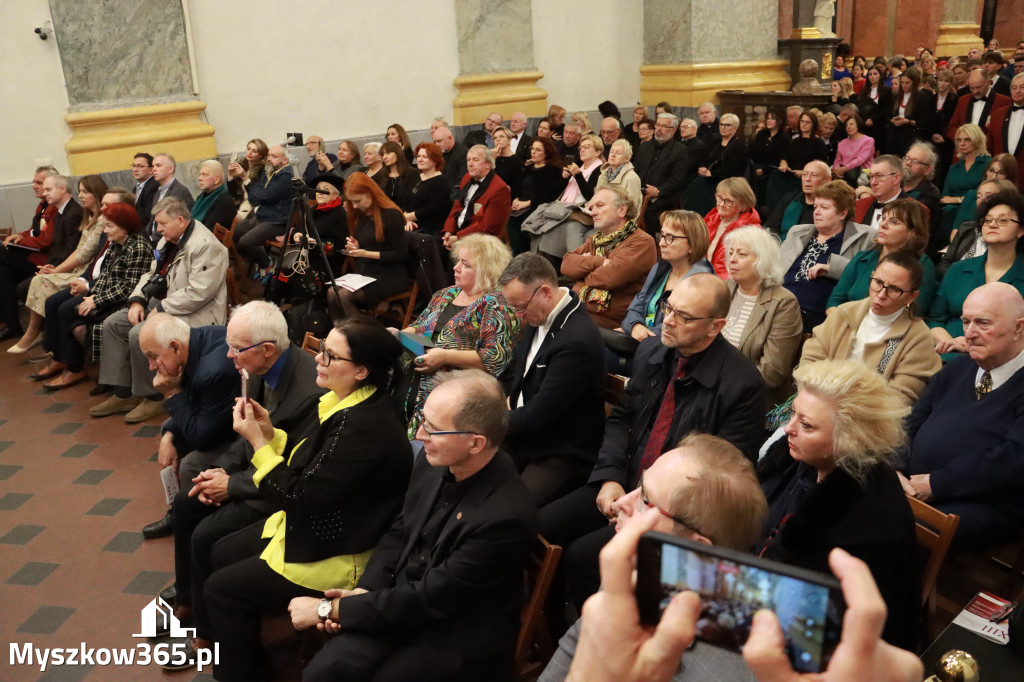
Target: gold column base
(507,92)
(106,140)
(957,39)
(687,85)
(805,33)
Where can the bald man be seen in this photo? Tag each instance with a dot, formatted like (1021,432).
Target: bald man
(493,120)
(966,432)
(454,156)
(520,142)
(1006,134)
(976,108)
(270,195)
(214,205)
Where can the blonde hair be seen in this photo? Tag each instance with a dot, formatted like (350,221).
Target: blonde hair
(977,137)
(766,249)
(740,190)
(490,256)
(693,226)
(596,139)
(867,413)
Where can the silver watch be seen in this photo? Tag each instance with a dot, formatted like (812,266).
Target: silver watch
(324,609)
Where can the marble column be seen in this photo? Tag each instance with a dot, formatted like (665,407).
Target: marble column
(496,66)
(128,75)
(958,31)
(693,49)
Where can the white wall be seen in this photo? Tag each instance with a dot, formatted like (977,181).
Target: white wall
(589,51)
(397,64)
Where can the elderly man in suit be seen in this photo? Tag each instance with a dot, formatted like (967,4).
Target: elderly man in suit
(440,597)
(484,202)
(1006,133)
(558,379)
(976,108)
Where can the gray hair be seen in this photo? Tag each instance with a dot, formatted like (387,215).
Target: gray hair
(60,180)
(266,323)
(49,170)
(174,208)
(766,249)
(529,268)
(622,198)
(488,154)
(375,145)
(216,166)
(167,328)
(482,407)
(626,147)
(671,117)
(167,156)
(932,156)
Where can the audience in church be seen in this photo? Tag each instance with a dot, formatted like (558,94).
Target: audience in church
(455,156)
(396,133)
(582,177)
(609,268)
(75,314)
(337,491)
(569,145)
(885,178)
(320,161)
(734,208)
(909,115)
(185,279)
(542,182)
(816,255)
(804,147)
(919,164)
(54,276)
(964,175)
(214,205)
(830,481)
(964,434)
(727,157)
(882,330)
(471,324)
(519,141)
(854,153)
(875,103)
(764,320)
(372,163)
(767,148)
(1007,128)
(348,160)
(241,173)
(557,379)
(1001,167)
(508,165)
(167,185)
(975,106)
(709,130)
(145,186)
(797,208)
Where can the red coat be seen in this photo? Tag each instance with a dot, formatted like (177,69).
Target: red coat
(995,101)
(712,221)
(490,210)
(997,143)
(44,239)
(866,206)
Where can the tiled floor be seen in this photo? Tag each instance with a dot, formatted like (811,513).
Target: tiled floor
(74,494)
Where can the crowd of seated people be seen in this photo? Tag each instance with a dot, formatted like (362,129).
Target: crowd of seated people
(906,300)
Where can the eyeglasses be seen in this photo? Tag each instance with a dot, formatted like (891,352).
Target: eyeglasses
(140,165)
(326,355)
(1001,222)
(879,176)
(914,162)
(522,308)
(684,319)
(669,239)
(728,203)
(239,351)
(889,220)
(891,291)
(422,421)
(681,521)
(726,125)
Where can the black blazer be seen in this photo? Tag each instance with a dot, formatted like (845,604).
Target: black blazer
(724,395)
(295,414)
(663,165)
(878,113)
(731,160)
(563,390)
(344,485)
(523,148)
(221,213)
(473,582)
(65,232)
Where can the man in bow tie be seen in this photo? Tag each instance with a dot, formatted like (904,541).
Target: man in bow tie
(979,106)
(1006,132)
(484,202)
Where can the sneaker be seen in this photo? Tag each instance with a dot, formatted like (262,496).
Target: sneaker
(144,411)
(114,405)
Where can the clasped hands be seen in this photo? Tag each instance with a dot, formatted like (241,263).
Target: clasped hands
(304,615)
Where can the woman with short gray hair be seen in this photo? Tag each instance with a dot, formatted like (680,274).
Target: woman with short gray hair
(618,170)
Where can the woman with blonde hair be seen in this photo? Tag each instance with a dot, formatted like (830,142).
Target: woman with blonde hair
(964,175)
(830,482)
(556,120)
(734,208)
(584,121)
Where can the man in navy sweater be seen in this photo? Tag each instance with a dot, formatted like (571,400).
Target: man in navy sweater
(966,433)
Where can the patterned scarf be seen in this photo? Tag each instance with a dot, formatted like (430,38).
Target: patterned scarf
(603,245)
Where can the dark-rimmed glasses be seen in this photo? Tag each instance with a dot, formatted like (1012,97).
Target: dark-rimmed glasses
(239,351)
(430,433)
(681,521)
(522,308)
(325,356)
(668,311)
(669,238)
(891,290)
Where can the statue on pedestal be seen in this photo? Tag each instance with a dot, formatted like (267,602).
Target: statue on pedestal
(824,10)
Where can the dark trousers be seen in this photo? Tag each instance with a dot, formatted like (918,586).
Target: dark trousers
(552,478)
(14,270)
(582,568)
(250,236)
(61,318)
(571,516)
(241,590)
(197,528)
(982,526)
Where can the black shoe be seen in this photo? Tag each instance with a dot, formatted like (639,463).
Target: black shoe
(170,595)
(99,389)
(159,529)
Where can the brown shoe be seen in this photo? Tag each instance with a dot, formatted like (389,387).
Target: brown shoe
(144,411)
(65,380)
(114,405)
(49,371)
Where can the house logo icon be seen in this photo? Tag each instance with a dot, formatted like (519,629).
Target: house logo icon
(157,615)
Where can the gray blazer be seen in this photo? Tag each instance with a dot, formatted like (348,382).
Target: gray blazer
(856,237)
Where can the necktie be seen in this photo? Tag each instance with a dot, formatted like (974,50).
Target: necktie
(1016,107)
(984,387)
(662,423)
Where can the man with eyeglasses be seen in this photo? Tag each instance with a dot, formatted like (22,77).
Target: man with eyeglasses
(705,490)
(663,165)
(688,379)
(558,380)
(1006,133)
(610,267)
(217,495)
(440,598)
(918,170)
(797,208)
(145,188)
(886,176)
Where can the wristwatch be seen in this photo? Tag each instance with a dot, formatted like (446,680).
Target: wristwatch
(325,608)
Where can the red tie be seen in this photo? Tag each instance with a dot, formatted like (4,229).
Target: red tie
(663,422)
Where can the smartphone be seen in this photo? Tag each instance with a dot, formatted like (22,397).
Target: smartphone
(732,586)
(569,159)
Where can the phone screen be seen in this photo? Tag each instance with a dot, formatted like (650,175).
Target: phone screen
(732,587)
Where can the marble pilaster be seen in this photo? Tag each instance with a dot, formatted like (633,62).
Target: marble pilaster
(958,31)
(496,64)
(691,51)
(128,75)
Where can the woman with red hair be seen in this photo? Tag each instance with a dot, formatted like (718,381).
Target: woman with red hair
(376,242)
(431,196)
(103,289)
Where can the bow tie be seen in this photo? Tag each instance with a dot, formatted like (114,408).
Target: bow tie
(1016,107)
(981,99)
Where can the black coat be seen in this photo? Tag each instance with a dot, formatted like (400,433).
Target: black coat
(65,232)
(473,579)
(663,165)
(222,213)
(872,521)
(455,165)
(729,161)
(878,113)
(563,391)
(724,395)
(344,484)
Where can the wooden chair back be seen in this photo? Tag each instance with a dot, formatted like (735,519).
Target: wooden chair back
(614,390)
(935,531)
(536,644)
(407,297)
(311,344)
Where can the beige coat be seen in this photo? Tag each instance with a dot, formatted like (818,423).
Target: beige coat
(771,338)
(906,357)
(627,179)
